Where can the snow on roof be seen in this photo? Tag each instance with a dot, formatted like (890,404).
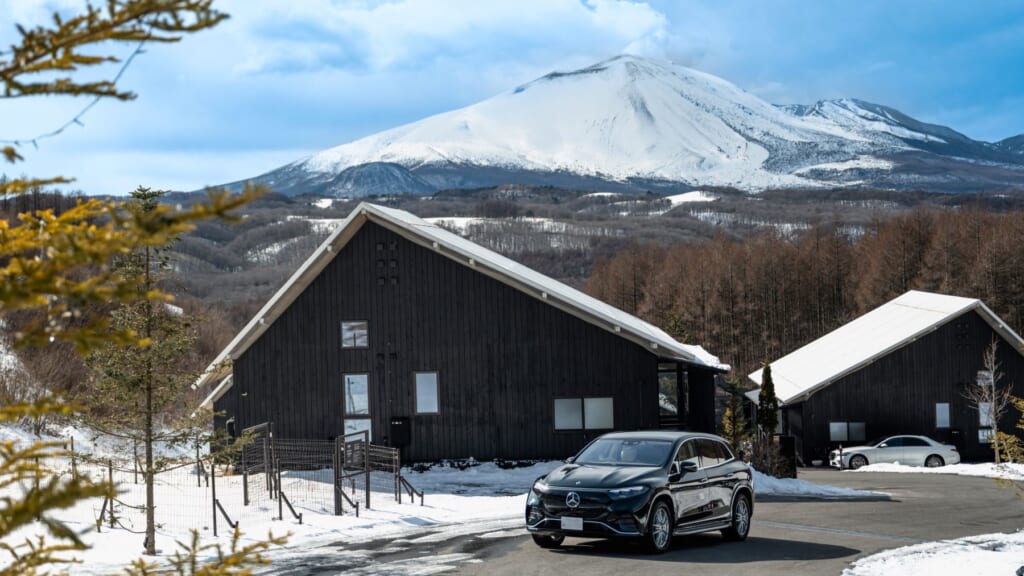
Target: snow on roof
(467,253)
(861,341)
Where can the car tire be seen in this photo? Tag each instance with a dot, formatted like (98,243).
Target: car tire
(548,541)
(741,514)
(934,461)
(857,462)
(659,528)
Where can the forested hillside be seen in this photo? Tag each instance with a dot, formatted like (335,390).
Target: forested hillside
(756,298)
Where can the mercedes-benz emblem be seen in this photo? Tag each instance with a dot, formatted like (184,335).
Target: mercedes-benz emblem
(572,500)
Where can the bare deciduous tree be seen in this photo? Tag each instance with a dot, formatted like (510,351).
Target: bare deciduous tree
(989,396)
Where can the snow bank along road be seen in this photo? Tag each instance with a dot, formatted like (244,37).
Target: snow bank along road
(806,537)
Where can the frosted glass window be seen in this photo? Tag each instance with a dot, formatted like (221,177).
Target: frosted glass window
(355,334)
(568,414)
(941,415)
(985,415)
(837,432)
(599,413)
(857,432)
(357,394)
(426,393)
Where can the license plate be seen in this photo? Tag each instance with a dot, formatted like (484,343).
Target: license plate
(570,523)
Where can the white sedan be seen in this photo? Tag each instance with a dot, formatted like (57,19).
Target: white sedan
(909,450)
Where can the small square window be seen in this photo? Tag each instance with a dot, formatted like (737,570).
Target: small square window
(355,334)
(598,413)
(857,432)
(426,393)
(838,432)
(985,436)
(568,414)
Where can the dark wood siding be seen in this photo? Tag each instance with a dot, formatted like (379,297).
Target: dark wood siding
(897,393)
(502,357)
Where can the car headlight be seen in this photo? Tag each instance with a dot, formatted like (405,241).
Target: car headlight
(540,486)
(627,492)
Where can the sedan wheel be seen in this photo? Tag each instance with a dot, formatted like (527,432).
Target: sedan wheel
(659,528)
(740,526)
(548,540)
(934,461)
(858,461)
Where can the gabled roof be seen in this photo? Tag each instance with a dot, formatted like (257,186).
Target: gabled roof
(848,348)
(468,254)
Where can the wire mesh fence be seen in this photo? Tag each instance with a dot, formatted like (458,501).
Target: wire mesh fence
(270,478)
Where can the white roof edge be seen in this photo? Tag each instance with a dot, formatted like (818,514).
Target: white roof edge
(973,304)
(504,269)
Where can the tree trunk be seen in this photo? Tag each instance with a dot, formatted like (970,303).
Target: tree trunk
(150,505)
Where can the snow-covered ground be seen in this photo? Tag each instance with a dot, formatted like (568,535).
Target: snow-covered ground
(986,555)
(481,499)
(989,470)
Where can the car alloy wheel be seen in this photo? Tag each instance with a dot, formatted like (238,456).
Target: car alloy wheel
(659,528)
(857,462)
(740,526)
(934,461)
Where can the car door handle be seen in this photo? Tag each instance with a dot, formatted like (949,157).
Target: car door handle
(703,480)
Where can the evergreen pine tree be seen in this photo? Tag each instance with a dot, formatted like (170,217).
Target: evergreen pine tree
(767,404)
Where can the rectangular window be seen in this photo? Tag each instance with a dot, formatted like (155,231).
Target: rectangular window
(857,432)
(357,395)
(942,415)
(985,415)
(568,414)
(985,436)
(598,413)
(355,334)
(838,432)
(359,425)
(426,393)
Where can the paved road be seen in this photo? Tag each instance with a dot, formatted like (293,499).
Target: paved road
(787,538)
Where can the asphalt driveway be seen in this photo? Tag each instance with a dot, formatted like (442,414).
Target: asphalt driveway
(791,537)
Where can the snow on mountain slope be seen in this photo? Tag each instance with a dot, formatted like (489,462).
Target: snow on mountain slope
(625,118)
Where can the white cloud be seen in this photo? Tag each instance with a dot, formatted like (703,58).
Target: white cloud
(413,33)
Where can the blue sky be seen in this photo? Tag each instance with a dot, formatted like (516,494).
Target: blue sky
(285,78)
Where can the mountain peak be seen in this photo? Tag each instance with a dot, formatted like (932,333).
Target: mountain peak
(632,123)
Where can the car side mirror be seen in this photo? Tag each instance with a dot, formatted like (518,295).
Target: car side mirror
(570,459)
(677,470)
(883,445)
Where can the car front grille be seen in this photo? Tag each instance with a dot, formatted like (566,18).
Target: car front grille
(592,504)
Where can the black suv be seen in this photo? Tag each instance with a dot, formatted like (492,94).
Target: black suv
(650,485)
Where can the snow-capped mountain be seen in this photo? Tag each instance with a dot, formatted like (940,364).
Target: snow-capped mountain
(632,123)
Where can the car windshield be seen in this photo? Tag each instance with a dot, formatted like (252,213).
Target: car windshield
(626,452)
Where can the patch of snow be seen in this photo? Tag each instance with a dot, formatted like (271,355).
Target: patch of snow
(765,485)
(268,254)
(319,225)
(1006,471)
(988,554)
(324,203)
(694,196)
(859,163)
(601,195)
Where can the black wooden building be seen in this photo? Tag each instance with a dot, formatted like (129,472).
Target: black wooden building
(902,368)
(397,323)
